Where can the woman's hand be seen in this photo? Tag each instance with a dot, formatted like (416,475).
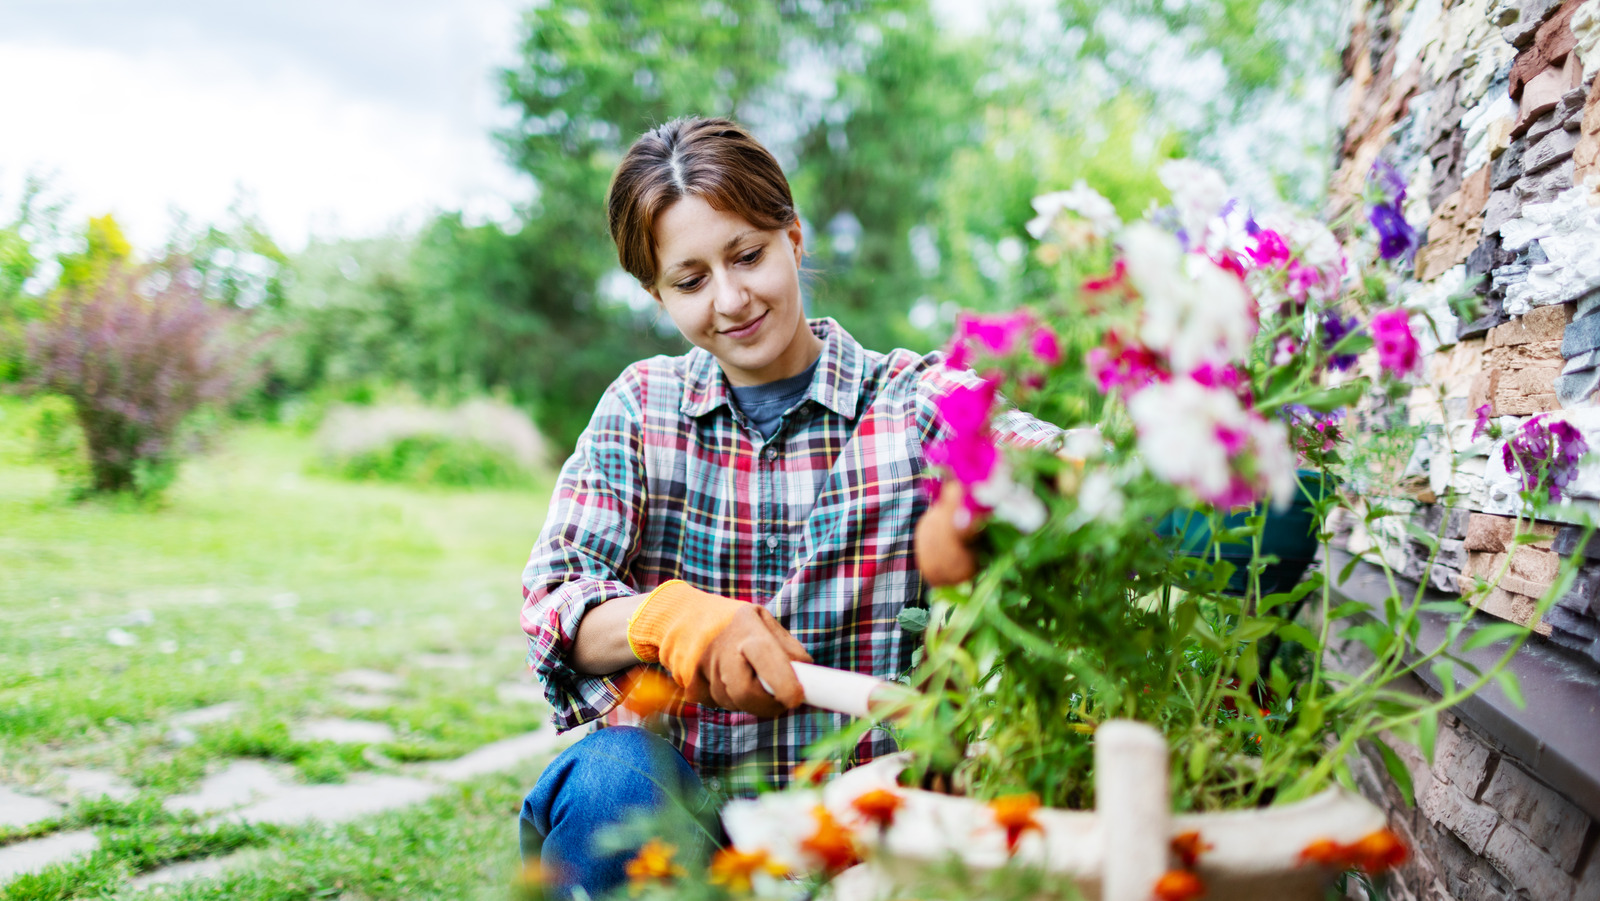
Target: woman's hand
(943,537)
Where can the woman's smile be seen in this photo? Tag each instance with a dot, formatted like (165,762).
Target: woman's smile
(747,329)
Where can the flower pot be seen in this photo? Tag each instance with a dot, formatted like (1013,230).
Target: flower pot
(1114,853)
(1290,535)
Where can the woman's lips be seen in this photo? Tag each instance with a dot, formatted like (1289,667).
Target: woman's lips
(746,330)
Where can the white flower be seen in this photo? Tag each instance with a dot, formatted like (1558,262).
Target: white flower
(1099,497)
(1081,199)
(1195,436)
(1178,422)
(1194,311)
(776,823)
(1011,501)
(122,638)
(1313,245)
(1198,192)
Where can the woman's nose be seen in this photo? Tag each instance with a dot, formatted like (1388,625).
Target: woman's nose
(732,296)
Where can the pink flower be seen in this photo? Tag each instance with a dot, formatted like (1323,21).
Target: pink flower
(1270,249)
(1132,368)
(1481,427)
(1302,279)
(967,450)
(1116,278)
(1398,350)
(1046,348)
(1283,352)
(997,334)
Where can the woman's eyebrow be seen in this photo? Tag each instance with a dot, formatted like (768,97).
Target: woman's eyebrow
(732,243)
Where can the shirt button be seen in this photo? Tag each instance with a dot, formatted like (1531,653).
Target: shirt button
(772,541)
(714,784)
(771,453)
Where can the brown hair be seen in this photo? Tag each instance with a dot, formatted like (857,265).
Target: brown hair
(714,159)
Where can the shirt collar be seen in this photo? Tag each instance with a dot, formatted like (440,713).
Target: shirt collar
(837,385)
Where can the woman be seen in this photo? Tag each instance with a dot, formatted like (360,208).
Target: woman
(747,504)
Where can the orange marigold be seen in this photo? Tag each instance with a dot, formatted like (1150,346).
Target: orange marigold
(735,870)
(1014,814)
(811,772)
(653,863)
(879,806)
(1189,846)
(1179,885)
(832,844)
(1382,850)
(1325,852)
(650,692)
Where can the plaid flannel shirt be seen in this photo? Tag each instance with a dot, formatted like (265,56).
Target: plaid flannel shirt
(815,523)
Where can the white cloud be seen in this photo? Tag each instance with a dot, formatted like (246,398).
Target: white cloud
(331,122)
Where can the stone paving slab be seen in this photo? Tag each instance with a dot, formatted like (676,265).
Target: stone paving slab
(192,870)
(368,680)
(17,809)
(519,693)
(33,856)
(204,716)
(89,783)
(343,731)
(357,700)
(241,782)
(361,796)
(501,755)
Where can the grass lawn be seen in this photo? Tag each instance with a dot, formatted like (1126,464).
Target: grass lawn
(255,583)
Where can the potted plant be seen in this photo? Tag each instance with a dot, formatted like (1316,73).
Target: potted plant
(1203,363)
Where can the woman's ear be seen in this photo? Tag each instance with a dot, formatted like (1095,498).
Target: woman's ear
(798,239)
(653,293)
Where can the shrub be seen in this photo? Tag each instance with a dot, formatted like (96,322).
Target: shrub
(480,443)
(136,353)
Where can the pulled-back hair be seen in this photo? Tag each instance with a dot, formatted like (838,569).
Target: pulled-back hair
(713,159)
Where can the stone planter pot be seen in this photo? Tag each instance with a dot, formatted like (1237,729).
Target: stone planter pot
(1114,853)
(1289,534)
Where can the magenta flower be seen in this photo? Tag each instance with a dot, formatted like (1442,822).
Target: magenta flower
(1481,428)
(1132,368)
(1045,347)
(967,449)
(1302,279)
(1269,250)
(996,333)
(1398,350)
(1544,454)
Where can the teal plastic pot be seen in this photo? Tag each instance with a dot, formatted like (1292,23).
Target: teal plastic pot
(1290,535)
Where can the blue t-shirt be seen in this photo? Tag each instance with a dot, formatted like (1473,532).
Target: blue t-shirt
(764,405)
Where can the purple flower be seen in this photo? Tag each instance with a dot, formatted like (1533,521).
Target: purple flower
(1544,453)
(1398,350)
(1396,238)
(1388,180)
(1481,428)
(1334,328)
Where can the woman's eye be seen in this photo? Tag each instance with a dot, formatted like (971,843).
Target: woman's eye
(751,257)
(688,285)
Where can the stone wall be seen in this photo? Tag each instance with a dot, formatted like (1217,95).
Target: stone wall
(1488,108)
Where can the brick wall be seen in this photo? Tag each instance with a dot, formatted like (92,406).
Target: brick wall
(1490,109)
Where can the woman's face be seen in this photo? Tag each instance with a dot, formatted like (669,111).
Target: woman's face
(734,290)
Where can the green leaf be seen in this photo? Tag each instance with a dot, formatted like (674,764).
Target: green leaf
(1249,664)
(1298,593)
(1445,672)
(914,620)
(1299,635)
(1397,771)
(1426,538)
(1490,634)
(1347,569)
(1448,608)
(1199,753)
(1509,684)
(1278,680)
(1427,735)
(1348,608)
(1253,628)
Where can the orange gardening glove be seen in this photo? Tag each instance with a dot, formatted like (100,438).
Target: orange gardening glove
(718,649)
(942,544)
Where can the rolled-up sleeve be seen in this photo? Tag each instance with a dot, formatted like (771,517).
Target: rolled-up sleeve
(581,557)
(1011,426)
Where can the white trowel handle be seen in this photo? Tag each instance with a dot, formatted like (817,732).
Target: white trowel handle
(843,691)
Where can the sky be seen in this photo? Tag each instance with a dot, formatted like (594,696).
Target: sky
(324,117)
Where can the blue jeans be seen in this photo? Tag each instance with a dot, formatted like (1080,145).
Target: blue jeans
(604,780)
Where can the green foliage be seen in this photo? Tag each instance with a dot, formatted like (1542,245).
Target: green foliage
(104,248)
(436,460)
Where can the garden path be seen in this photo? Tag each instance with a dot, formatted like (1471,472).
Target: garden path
(259,792)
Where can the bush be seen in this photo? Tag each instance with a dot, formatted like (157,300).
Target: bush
(137,353)
(478,444)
